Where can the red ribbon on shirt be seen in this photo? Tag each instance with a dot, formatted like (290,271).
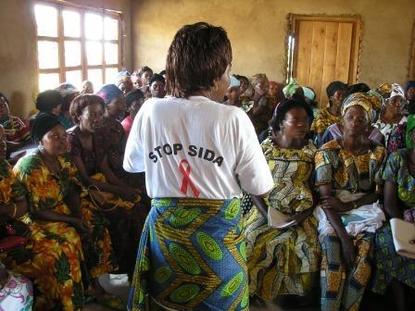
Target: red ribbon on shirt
(185,169)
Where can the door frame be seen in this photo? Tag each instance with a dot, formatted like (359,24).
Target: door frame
(356,20)
(411,66)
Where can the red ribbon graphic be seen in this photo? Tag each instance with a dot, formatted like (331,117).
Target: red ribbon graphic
(185,169)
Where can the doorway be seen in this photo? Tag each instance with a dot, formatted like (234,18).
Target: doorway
(322,49)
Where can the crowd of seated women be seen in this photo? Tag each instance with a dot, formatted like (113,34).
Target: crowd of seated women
(70,213)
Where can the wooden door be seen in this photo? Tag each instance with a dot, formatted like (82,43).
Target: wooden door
(324,49)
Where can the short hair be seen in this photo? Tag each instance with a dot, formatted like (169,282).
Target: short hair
(143,70)
(198,55)
(48,100)
(133,96)
(80,102)
(334,86)
(157,77)
(286,105)
(162,73)
(358,88)
(257,78)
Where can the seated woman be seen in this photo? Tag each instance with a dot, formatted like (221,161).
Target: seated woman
(89,153)
(345,175)
(52,256)
(134,100)
(112,129)
(336,91)
(261,112)
(393,270)
(285,261)
(17,132)
(392,122)
(16,291)
(60,204)
(68,93)
(335,131)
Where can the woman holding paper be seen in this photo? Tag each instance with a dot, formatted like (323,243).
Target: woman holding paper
(284,253)
(345,175)
(393,270)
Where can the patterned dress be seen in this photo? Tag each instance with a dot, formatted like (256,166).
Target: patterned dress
(46,191)
(127,220)
(389,265)
(191,257)
(52,257)
(15,129)
(394,134)
(341,287)
(284,261)
(323,121)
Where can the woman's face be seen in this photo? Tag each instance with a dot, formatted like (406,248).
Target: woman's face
(296,123)
(126,85)
(221,86)
(4,108)
(55,141)
(116,108)
(3,145)
(262,87)
(92,117)
(57,111)
(355,121)
(394,106)
(338,97)
(135,107)
(410,94)
(146,77)
(273,89)
(158,89)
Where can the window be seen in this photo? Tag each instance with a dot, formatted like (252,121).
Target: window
(75,43)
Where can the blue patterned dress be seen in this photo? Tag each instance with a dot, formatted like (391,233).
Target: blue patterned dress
(192,256)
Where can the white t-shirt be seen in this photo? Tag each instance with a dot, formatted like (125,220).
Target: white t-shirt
(196,148)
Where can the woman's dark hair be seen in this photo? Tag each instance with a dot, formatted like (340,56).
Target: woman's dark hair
(240,78)
(5,98)
(357,88)
(335,86)
(157,77)
(143,70)
(80,102)
(198,55)
(48,100)
(162,73)
(133,96)
(286,105)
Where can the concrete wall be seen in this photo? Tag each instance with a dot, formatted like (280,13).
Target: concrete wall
(258,28)
(18,55)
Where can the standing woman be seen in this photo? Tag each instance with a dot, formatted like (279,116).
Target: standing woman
(347,166)
(197,154)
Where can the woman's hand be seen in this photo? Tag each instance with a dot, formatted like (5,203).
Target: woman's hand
(334,203)
(348,251)
(301,216)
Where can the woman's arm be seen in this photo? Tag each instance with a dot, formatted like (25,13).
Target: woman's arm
(260,204)
(16,209)
(390,191)
(335,221)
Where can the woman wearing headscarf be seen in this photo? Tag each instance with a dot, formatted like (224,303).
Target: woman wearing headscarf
(60,203)
(115,109)
(336,91)
(347,213)
(393,270)
(197,154)
(68,92)
(335,131)
(392,122)
(123,82)
(285,261)
(261,111)
(52,255)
